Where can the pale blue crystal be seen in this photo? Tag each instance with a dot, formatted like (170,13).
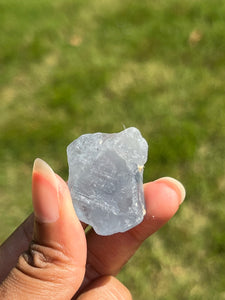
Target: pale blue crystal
(105,179)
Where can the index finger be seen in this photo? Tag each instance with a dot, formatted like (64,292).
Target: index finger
(107,254)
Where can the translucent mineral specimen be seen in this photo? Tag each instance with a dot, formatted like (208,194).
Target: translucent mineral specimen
(105,179)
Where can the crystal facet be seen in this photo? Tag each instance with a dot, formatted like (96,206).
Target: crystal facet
(105,179)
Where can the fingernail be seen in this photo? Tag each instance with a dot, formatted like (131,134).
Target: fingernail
(44,192)
(175,185)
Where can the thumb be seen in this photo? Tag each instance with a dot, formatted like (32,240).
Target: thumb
(54,265)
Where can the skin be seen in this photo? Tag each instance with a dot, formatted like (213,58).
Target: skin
(50,257)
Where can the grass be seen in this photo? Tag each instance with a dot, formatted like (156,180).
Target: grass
(72,67)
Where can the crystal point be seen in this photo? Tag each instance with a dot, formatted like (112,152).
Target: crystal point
(105,179)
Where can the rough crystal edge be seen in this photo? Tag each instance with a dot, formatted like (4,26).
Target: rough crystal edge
(100,232)
(124,132)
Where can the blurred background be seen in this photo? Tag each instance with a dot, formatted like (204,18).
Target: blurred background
(74,67)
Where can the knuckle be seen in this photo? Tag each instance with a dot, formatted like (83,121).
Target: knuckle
(43,262)
(43,271)
(35,259)
(40,256)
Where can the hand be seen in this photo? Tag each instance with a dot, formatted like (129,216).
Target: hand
(49,256)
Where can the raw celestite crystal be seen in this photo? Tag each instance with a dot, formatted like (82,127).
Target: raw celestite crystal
(105,179)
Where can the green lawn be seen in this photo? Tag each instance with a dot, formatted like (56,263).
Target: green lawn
(72,67)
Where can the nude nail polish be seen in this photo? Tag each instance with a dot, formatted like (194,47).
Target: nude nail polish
(176,185)
(44,192)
